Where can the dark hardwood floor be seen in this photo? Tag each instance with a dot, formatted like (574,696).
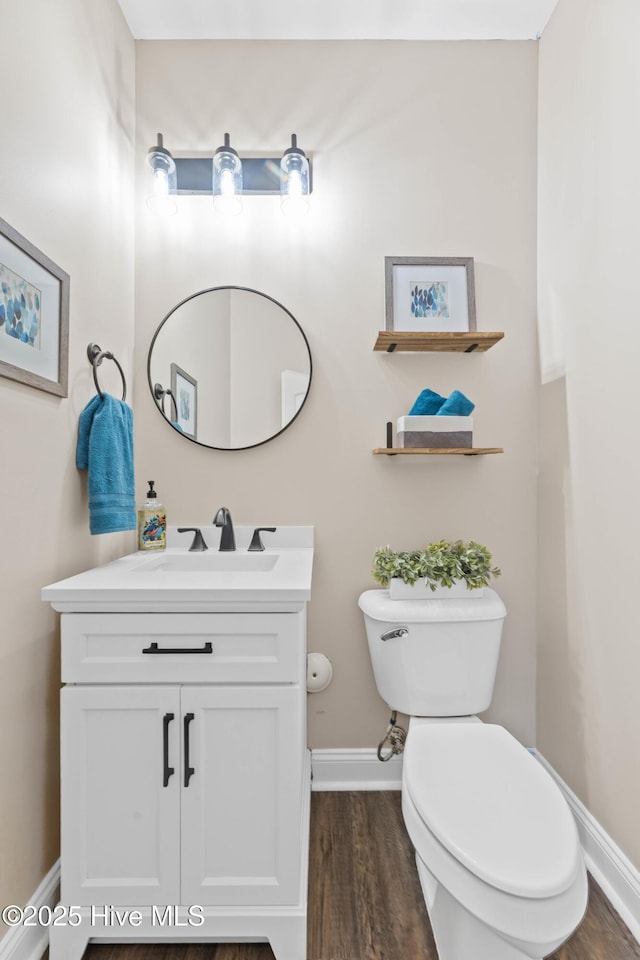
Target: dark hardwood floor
(365,901)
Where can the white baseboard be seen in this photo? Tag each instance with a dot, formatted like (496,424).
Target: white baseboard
(29,943)
(354,770)
(611,869)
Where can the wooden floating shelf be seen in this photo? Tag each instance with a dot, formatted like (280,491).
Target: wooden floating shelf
(437,451)
(468,341)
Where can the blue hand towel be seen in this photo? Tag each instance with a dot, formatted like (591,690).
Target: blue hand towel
(428,403)
(456,405)
(105,450)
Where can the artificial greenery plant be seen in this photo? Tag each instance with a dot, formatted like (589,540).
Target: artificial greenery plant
(439,563)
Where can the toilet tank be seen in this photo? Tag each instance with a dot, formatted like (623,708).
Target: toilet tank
(446,664)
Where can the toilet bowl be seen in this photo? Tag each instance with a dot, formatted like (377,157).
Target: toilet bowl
(497,848)
(496,845)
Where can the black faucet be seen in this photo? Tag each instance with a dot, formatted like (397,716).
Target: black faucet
(227,538)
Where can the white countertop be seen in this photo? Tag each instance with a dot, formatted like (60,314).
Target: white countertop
(138,582)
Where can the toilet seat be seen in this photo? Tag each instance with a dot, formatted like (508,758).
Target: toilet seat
(493,807)
(437,792)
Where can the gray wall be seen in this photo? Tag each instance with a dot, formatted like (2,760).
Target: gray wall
(419,149)
(589,657)
(66,184)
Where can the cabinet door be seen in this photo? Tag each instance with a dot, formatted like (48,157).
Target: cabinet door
(241,811)
(120,804)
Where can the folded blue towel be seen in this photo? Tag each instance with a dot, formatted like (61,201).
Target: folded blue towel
(105,450)
(428,403)
(456,405)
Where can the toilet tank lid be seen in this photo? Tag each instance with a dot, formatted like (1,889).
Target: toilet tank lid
(493,806)
(378,605)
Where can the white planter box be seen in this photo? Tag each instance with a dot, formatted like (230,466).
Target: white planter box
(399,590)
(434,432)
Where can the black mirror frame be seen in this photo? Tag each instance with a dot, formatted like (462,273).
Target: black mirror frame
(192,296)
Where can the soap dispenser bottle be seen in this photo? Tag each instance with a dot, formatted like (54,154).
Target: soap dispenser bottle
(152,522)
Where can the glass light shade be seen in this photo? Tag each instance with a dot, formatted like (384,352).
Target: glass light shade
(161,180)
(227,179)
(294,180)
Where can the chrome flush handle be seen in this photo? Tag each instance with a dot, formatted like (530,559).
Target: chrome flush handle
(398,632)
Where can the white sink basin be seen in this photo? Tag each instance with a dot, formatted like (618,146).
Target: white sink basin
(177,580)
(211,563)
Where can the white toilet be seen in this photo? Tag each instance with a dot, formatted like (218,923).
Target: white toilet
(496,845)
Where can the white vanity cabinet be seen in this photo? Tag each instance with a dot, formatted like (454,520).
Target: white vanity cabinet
(185,774)
(190,794)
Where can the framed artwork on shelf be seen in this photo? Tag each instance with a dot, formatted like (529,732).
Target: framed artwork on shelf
(430,294)
(34,315)
(185,391)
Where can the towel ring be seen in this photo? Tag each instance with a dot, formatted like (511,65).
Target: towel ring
(96,355)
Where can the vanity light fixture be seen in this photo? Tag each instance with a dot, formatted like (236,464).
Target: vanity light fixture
(162,180)
(228,178)
(294,180)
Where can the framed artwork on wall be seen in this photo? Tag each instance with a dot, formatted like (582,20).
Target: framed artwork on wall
(430,294)
(34,315)
(185,391)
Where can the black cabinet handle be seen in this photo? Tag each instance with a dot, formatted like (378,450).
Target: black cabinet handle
(154,648)
(188,771)
(167,771)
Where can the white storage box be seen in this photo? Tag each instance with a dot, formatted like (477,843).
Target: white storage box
(435,432)
(399,590)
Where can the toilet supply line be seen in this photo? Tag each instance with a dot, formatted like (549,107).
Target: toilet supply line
(396,735)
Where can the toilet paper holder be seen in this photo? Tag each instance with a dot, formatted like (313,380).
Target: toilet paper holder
(319,672)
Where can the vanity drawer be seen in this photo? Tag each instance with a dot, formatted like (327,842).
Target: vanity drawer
(183,647)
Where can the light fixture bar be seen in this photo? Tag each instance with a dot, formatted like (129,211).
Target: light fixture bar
(260,176)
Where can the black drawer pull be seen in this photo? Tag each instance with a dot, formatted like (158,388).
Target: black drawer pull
(167,771)
(154,648)
(188,771)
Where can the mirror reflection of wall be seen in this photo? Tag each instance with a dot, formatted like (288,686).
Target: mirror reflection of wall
(237,363)
(294,393)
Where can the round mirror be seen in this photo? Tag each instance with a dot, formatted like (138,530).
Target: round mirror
(229,368)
